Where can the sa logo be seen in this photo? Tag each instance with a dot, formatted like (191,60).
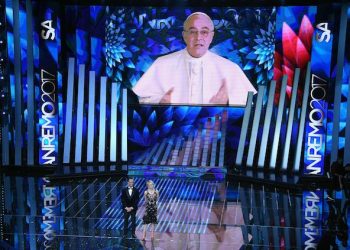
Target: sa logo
(48,32)
(326,33)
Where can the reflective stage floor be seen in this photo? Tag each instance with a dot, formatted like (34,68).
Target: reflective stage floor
(193,214)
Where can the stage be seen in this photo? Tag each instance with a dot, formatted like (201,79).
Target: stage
(85,213)
(240,115)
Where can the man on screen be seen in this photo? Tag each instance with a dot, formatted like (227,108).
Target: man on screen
(194,75)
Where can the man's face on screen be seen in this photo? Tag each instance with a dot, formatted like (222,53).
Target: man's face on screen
(198,34)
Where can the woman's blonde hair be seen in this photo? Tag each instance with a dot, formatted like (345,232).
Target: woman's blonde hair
(150,182)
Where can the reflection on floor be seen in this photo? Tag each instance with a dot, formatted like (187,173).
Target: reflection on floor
(193,214)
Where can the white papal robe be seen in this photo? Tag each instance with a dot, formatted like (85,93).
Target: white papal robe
(174,71)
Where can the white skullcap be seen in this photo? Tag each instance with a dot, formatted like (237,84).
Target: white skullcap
(198,13)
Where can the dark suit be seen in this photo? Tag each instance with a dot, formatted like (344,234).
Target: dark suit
(130,201)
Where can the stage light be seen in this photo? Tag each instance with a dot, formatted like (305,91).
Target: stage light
(2,66)
(3,100)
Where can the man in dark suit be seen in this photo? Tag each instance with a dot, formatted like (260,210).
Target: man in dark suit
(130,198)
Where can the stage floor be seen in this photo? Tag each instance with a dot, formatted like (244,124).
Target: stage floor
(193,214)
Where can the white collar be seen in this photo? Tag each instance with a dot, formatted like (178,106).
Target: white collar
(192,59)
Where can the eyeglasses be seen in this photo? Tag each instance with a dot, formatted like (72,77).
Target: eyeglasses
(203,33)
